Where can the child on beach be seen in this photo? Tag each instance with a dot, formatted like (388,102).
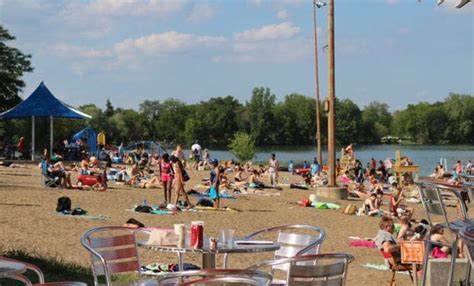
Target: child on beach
(216,174)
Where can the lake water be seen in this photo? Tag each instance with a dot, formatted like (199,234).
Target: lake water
(426,156)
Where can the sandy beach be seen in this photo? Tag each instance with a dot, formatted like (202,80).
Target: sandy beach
(28,221)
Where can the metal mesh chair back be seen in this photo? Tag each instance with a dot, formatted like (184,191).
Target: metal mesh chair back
(112,249)
(328,269)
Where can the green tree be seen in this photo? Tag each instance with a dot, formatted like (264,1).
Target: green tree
(150,109)
(261,115)
(296,117)
(213,122)
(170,122)
(242,146)
(348,122)
(13,63)
(459,109)
(109,109)
(377,121)
(129,126)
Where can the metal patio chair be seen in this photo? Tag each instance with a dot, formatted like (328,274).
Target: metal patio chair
(431,196)
(113,249)
(41,281)
(327,269)
(294,240)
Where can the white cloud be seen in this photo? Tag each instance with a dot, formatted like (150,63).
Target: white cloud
(271,32)
(283,14)
(168,42)
(134,52)
(201,13)
(132,7)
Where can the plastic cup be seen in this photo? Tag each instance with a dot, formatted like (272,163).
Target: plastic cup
(227,237)
(180,230)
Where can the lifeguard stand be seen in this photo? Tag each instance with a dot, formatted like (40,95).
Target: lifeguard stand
(399,168)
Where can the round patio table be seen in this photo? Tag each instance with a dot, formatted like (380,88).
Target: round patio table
(209,255)
(10,268)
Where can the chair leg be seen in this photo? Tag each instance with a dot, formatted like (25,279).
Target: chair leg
(454,253)
(425,262)
(224,263)
(411,275)
(392,280)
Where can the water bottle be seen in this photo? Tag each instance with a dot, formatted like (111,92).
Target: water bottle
(145,203)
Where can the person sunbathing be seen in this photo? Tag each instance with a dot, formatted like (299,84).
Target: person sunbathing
(240,175)
(405,232)
(371,205)
(441,250)
(395,199)
(253,181)
(135,175)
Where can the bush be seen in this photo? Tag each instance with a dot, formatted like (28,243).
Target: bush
(242,146)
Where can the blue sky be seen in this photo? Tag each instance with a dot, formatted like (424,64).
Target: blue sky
(393,51)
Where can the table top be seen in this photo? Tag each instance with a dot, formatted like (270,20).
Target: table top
(221,248)
(10,268)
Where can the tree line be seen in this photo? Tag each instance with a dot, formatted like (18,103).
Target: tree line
(290,122)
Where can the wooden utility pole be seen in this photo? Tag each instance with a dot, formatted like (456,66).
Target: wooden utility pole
(316,75)
(331,99)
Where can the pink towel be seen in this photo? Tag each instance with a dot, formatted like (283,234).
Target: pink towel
(362,243)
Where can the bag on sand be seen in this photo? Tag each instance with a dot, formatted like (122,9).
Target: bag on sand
(64,204)
(350,210)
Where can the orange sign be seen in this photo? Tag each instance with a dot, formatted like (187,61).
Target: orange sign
(412,251)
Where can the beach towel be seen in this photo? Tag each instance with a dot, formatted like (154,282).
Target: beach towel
(91,217)
(156,211)
(362,243)
(222,195)
(325,206)
(381,267)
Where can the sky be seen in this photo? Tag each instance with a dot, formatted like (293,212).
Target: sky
(394,51)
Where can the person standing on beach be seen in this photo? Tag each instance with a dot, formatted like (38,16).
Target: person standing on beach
(196,151)
(179,181)
(178,153)
(215,178)
(22,147)
(273,165)
(166,176)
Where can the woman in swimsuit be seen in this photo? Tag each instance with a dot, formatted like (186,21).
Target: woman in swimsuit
(166,176)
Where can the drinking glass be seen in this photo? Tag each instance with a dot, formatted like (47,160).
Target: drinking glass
(227,237)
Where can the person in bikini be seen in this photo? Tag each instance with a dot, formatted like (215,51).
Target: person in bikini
(166,176)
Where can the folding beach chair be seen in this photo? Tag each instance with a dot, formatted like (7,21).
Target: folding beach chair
(47,180)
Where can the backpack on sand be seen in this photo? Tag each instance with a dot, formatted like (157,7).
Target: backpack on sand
(64,204)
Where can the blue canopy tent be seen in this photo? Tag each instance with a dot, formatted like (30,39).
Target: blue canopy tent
(42,103)
(90,136)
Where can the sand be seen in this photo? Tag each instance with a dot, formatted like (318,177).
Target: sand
(28,221)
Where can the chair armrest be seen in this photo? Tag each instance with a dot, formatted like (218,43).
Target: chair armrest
(28,266)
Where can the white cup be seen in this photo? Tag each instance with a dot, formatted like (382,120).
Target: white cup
(180,230)
(227,237)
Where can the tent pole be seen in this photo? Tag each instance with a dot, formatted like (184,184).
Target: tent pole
(32,138)
(51,136)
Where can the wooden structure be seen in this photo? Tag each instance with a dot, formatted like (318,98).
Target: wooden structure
(401,167)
